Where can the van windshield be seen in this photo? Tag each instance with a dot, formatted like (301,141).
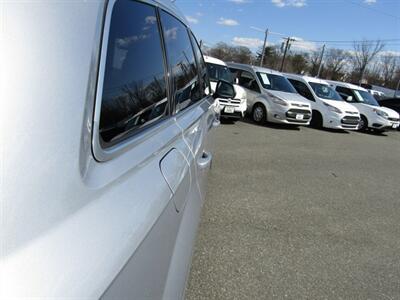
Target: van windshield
(218,72)
(365,97)
(325,91)
(275,82)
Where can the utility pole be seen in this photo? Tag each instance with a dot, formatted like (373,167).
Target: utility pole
(320,61)
(288,40)
(265,45)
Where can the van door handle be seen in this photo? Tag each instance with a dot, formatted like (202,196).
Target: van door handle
(216,123)
(205,160)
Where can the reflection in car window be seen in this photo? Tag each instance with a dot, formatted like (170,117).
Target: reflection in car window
(205,81)
(181,61)
(218,72)
(325,91)
(134,88)
(275,82)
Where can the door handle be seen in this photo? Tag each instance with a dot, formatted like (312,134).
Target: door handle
(216,123)
(205,160)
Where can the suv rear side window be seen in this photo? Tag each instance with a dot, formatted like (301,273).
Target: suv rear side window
(302,89)
(181,62)
(134,87)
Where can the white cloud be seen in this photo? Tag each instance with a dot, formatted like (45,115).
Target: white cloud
(252,43)
(150,20)
(389,53)
(369,2)
(227,22)
(293,3)
(300,44)
(192,20)
(239,1)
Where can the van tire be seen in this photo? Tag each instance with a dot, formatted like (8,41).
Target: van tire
(316,120)
(363,125)
(259,113)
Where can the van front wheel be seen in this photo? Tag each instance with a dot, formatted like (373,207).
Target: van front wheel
(363,125)
(259,113)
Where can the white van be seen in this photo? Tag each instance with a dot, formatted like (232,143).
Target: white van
(106,143)
(329,109)
(373,116)
(229,108)
(270,96)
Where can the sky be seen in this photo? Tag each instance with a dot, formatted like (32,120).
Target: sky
(311,22)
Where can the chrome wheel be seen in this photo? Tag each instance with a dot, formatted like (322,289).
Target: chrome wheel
(258,114)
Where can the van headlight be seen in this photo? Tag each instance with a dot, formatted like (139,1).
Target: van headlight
(332,108)
(279,101)
(381,113)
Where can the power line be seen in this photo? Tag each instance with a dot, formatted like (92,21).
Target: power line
(360,41)
(373,9)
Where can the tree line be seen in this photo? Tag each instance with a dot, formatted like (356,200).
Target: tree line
(365,63)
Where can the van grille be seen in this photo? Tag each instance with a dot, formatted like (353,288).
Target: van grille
(292,113)
(230,102)
(350,120)
(394,119)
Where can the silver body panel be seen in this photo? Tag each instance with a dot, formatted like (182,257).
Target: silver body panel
(73,226)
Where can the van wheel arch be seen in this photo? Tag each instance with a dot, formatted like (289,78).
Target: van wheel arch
(317,120)
(364,125)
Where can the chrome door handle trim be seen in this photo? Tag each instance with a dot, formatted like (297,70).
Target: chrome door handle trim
(216,123)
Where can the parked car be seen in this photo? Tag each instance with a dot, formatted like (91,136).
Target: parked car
(329,110)
(105,156)
(229,108)
(392,103)
(270,96)
(373,116)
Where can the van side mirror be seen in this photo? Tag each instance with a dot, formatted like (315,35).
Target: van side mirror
(224,90)
(236,80)
(349,98)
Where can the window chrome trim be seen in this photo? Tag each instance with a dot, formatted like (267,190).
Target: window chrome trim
(104,154)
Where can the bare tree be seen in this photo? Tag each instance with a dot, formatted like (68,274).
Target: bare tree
(335,63)
(389,65)
(314,62)
(364,53)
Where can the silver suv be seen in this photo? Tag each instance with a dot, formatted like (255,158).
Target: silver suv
(106,145)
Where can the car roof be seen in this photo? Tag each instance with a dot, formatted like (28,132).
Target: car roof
(253,68)
(347,85)
(213,60)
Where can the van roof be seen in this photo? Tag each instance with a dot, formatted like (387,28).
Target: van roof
(347,85)
(306,78)
(253,68)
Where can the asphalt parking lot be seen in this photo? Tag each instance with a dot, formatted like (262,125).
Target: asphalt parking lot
(299,214)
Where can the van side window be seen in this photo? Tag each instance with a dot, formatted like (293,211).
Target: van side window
(345,93)
(134,87)
(203,71)
(182,64)
(302,89)
(248,81)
